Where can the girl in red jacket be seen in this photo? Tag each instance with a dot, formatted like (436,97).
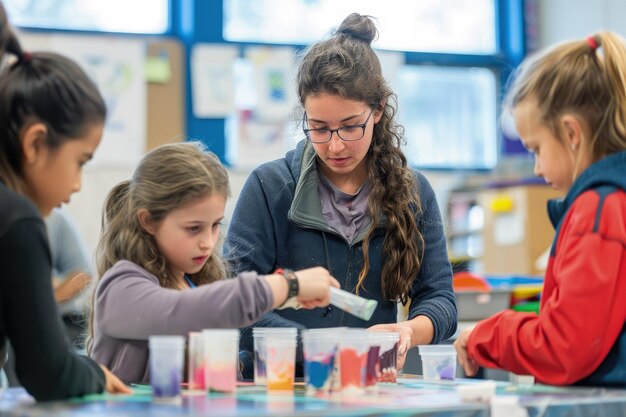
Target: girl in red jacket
(569,106)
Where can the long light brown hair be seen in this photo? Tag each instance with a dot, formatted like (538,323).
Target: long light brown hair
(168,178)
(585,77)
(347,66)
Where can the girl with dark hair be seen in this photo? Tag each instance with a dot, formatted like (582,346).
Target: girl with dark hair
(51,121)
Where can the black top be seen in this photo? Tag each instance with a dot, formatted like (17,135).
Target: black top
(28,313)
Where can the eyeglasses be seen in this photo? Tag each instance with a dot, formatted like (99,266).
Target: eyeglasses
(346,133)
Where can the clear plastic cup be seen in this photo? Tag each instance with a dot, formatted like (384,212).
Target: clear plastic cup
(438,362)
(320,353)
(196,365)
(166,367)
(336,332)
(280,363)
(221,349)
(389,342)
(258,337)
(353,349)
(352,303)
(372,362)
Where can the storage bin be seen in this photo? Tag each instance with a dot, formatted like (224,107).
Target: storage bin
(477,305)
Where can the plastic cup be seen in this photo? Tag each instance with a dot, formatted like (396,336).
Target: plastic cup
(196,365)
(372,362)
(166,367)
(438,362)
(335,332)
(389,342)
(280,363)
(258,336)
(221,350)
(352,303)
(320,353)
(353,349)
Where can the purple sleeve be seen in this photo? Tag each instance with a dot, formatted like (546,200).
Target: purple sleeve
(130,304)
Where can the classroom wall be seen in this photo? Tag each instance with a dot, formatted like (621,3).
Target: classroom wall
(566,19)
(557,20)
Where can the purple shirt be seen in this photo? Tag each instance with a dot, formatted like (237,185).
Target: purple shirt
(130,305)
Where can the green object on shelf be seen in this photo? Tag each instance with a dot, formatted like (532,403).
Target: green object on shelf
(530,307)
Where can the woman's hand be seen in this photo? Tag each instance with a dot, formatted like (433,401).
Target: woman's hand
(314,284)
(460,344)
(406,333)
(113,384)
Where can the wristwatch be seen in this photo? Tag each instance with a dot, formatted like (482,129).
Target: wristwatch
(292,281)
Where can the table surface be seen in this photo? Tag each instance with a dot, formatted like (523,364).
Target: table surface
(410,397)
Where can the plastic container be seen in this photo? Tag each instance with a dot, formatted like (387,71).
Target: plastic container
(353,349)
(280,363)
(320,352)
(477,305)
(221,349)
(258,336)
(166,367)
(438,362)
(196,361)
(388,360)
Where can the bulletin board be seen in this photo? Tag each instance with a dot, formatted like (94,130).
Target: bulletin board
(165,76)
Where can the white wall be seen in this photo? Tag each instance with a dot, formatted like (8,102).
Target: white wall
(560,20)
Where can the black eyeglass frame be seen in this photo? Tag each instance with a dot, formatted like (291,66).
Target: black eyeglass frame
(331,131)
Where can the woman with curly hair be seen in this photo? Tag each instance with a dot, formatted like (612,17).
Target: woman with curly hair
(345,199)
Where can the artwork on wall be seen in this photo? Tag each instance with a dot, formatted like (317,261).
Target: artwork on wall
(117,67)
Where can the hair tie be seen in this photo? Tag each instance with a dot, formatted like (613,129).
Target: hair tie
(593,44)
(25,57)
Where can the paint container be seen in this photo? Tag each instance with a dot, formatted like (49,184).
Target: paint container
(438,362)
(221,350)
(353,349)
(166,367)
(196,366)
(320,353)
(389,342)
(280,363)
(258,337)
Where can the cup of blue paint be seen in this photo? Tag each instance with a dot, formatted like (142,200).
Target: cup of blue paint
(320,356)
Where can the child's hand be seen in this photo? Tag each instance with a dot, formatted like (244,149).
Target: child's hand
(315,286)
(469,366)
(113,384)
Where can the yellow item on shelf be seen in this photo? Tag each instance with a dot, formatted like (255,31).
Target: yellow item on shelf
(502,204)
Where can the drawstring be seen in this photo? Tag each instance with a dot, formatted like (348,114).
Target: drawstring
(328,309)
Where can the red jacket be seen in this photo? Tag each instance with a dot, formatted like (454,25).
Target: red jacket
(583,304)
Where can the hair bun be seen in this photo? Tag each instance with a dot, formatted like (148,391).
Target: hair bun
(358,26)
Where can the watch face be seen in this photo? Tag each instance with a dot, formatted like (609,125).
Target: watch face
(293,287)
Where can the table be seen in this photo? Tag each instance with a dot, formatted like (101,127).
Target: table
(411,397)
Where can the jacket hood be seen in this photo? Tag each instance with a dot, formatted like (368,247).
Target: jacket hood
(609,171)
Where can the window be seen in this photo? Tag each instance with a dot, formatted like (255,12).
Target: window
(451,59)
(443,26)
(126,16)
(449,116)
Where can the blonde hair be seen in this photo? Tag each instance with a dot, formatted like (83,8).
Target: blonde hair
(166,179)
(584,77)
